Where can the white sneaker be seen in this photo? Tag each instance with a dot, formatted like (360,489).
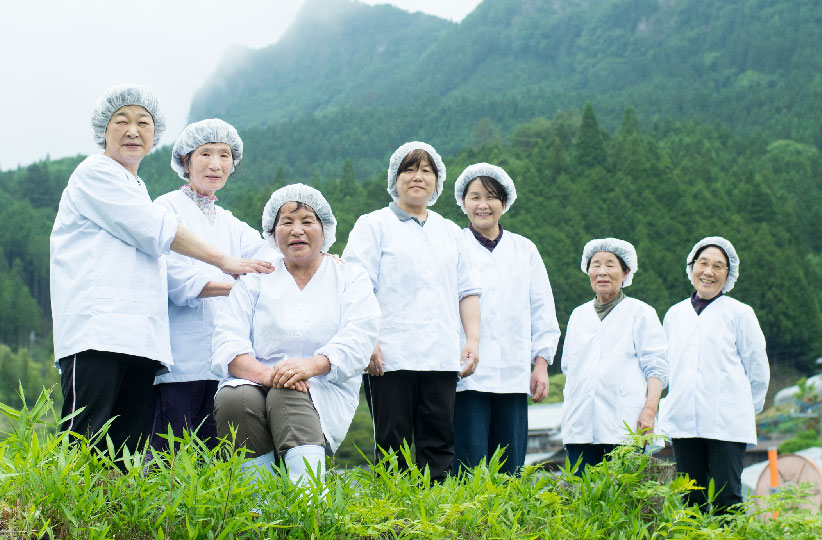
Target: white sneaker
(299,459)
(262,466)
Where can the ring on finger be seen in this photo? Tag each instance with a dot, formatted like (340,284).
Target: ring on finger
(290,372)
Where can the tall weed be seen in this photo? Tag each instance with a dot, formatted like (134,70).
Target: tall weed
(56,485)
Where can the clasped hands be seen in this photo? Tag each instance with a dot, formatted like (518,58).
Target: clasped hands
(293,373)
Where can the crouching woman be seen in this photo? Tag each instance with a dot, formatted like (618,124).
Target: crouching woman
(290,348)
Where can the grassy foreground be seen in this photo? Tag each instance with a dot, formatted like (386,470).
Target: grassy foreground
(52,489)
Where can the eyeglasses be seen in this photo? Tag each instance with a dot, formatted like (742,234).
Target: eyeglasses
(702,264)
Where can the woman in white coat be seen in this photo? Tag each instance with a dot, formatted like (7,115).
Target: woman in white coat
(108,274)
(205,154)
(426,287)
(519,328)
(613,358)
(290,347)
(719,375)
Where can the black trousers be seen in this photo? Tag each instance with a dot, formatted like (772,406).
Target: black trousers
(706,459)
(418,407)
(185,405)
(109,385)
(587,454)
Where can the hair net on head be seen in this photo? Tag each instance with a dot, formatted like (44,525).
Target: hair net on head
(306,195)
(117,97)
(397,157)
(730,252)
(622,249)
(485,169)
(212,130)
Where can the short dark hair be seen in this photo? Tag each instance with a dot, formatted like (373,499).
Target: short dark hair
(414,158)
(703,248)
(493,187)
(299,205)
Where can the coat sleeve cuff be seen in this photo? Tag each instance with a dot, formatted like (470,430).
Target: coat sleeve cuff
(168,231)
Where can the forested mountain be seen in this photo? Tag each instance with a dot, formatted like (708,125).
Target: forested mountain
(710,124)
(337,52)
(751,64)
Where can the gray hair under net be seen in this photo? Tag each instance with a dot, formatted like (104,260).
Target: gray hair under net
(308,196)
(122,95)
(622,249)
(211,130)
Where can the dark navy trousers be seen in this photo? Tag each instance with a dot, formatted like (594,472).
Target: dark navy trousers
(588,455)
(185,405)
(485,421)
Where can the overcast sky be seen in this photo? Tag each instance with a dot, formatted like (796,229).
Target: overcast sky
(60,55)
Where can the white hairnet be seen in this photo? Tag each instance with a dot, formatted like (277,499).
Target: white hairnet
(397,157)
(724,245)
(306,195)
(485,169)
(622,249)
(119,96)
(212,130)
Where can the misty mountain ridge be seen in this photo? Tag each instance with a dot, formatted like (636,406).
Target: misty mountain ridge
(333,54)
(727,61)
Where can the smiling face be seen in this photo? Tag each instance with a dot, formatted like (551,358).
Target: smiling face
(129,136)
(710,271)
(416,183)
(299,233)
(606,275)
(482,206)
(208,167)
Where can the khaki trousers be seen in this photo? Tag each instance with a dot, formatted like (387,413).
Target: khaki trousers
(268,419)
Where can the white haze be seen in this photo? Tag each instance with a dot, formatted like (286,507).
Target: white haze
(59,56)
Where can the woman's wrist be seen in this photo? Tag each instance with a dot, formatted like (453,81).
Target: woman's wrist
(322,364)
(268,377)
(652,407)
(220,259)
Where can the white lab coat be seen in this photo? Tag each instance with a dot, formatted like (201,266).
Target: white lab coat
(108,276)
(419,275)
(336,314)
(719,372)
(519,321)
(191,319)
(607,365)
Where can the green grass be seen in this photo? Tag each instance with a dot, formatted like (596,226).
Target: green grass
(54,487)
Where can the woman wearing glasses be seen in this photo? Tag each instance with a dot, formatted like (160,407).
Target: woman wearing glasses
(718,375)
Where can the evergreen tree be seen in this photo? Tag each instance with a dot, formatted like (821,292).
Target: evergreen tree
(630,124)
(589,148)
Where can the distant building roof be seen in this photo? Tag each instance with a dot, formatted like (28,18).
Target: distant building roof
(787,395)
(546,417)
(539,458)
